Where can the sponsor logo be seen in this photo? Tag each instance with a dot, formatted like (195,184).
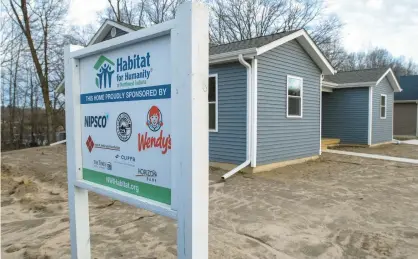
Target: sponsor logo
(124,127)
(151,175)
(140,67)
(125,160)
(102,165)
(96,121)
(154,119)
(91,144)
(105,70)
(154,123)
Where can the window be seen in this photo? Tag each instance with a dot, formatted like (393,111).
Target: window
(383,102)
(213,102)
(294,97)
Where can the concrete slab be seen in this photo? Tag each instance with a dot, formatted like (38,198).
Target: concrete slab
(411,142)
(374,156)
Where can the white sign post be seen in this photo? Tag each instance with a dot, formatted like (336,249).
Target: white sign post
(137,126)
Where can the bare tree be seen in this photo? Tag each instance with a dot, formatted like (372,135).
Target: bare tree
(379,58)
(140,13)
(127,11)
(234,20)
(40,22)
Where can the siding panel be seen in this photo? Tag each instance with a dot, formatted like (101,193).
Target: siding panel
(228,145)
(280,138)
(345,115)
(382,128)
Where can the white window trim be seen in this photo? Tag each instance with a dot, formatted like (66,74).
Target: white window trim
(287,97)
(216,101)
(386,106)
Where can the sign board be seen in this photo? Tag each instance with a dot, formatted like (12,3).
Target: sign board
(137,126)
(126,119)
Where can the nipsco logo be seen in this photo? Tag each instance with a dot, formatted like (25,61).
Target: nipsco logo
(104,68)
(124,127)
(96,121)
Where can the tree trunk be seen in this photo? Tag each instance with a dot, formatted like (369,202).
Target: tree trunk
(43,79)
(32,114)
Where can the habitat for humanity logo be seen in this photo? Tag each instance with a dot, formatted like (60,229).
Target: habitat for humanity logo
(154,123)
(104,68)
(133,70)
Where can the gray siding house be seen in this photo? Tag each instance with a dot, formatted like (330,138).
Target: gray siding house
(264,98)
(405,122)
(357,106)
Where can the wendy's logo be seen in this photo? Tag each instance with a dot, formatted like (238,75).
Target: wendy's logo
(154,119)
(104,68)
(150,140)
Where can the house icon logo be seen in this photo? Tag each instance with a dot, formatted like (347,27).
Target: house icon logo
(104,68)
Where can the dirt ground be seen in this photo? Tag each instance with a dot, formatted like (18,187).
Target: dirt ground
(335,207)
(402,150)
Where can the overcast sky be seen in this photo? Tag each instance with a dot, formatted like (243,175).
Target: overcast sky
(392,24)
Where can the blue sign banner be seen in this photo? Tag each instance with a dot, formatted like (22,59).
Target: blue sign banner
(126,95)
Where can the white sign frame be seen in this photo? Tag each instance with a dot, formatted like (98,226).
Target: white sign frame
(189,40)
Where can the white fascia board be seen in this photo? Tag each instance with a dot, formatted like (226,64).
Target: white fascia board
(231,56)
(347,85)
(355,85)
(308,45)
(392,80)
(104,30)
(327,89)
(329,84)
(61,87)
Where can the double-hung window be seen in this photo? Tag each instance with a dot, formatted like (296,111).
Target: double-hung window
(383,106)
(213,102)
(294,92)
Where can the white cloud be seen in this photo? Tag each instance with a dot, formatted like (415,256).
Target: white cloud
(379,23)
(83,12)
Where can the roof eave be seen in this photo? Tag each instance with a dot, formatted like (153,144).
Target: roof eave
(392,80)
(231,56)
(348,85)
(406,101)
(104,30)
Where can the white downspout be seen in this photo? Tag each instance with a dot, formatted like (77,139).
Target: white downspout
(254,103)
(249,106)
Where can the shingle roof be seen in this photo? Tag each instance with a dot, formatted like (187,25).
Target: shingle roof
(232,46)
(356,76)
(247,44)
(409,84)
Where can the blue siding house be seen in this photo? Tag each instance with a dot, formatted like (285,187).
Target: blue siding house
(264,99)
(357,106)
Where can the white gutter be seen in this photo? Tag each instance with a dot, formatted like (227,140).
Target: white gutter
(58,142)
(249,88)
